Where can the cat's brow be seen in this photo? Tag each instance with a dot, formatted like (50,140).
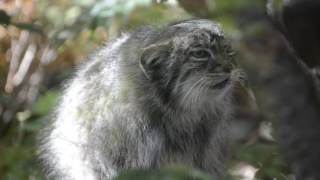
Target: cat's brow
(165,43)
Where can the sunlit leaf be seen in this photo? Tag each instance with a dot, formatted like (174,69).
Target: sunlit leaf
(72,14)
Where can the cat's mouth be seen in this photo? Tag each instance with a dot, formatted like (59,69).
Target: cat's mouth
(220,81)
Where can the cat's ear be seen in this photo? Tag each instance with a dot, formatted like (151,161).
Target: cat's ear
(153,57)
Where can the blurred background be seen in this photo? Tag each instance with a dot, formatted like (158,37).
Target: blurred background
(41,42)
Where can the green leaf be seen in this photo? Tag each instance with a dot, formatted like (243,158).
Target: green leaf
(168,173)
(46,102)
(265,157)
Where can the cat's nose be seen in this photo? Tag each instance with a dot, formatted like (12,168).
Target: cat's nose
(222,68)
(228,68)
(219,65)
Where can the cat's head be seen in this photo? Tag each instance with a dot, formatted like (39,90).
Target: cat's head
(191,63)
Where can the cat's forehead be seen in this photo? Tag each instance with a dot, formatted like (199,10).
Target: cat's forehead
(200,24)
(185,33)
(200,32)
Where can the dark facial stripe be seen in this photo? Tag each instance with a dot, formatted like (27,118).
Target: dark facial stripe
(171,79)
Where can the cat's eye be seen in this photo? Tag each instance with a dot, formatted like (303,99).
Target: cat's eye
(200,54)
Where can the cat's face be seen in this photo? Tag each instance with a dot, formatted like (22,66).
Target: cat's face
(192,63)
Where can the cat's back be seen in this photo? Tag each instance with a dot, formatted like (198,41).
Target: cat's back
(86,98)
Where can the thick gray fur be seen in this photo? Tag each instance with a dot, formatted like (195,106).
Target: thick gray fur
(154,97)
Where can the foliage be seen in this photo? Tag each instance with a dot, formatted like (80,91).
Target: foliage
(265,157)
(168,173)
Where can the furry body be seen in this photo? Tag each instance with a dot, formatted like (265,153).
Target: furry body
(148,99)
